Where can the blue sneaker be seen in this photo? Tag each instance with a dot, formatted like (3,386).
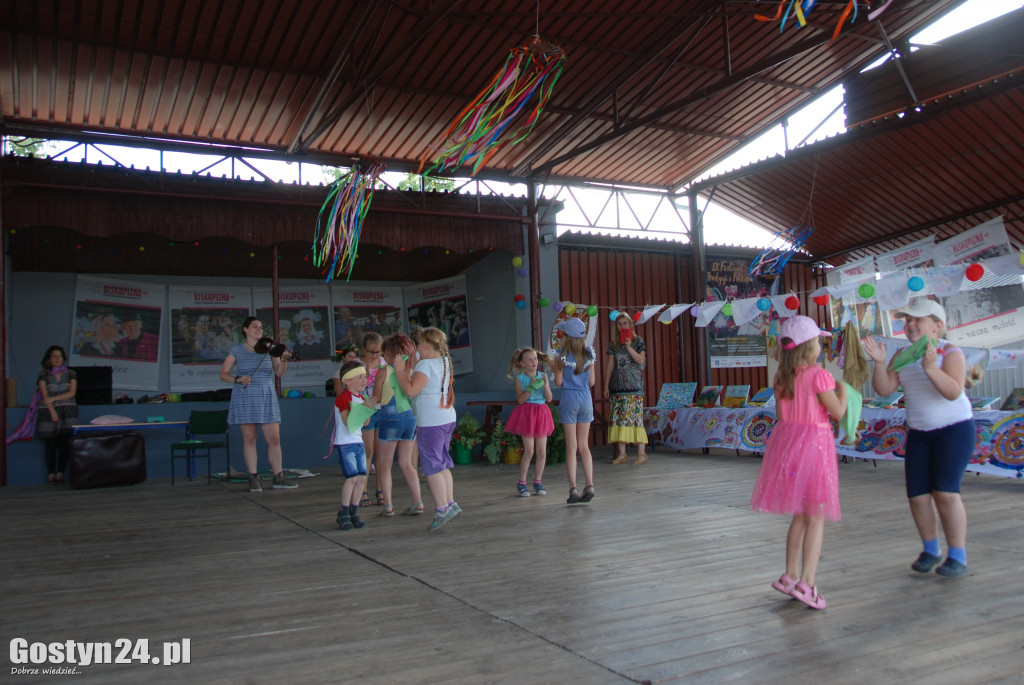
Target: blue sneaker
(538,488)
(441,518)
(523,490)
(925,562)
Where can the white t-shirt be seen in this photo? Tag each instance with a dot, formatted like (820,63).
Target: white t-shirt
(427,404)
(342,435)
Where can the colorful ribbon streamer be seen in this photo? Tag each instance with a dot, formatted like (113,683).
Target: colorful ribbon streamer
(484,126)
(336,241)
(801,8)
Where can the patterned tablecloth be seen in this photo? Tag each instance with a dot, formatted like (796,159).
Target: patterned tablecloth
(881,434)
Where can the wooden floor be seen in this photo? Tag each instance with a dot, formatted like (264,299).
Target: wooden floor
(663,578)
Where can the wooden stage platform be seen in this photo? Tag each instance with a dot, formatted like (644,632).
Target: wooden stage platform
(663,578)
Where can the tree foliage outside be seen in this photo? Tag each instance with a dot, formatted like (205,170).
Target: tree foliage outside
(26,147)
(409,182)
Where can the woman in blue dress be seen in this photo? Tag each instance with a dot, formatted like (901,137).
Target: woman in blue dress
(254,401)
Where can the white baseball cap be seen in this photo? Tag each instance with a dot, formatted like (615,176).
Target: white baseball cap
(925,307)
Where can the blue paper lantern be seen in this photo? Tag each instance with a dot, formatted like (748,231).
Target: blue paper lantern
(764,304)
(520,304)
(916,283)
(614,314)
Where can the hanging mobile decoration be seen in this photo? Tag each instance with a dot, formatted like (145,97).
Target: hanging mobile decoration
(485,125)
(770,263)
(801,8)
(336,240)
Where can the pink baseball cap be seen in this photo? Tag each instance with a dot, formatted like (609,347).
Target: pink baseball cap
(800,329)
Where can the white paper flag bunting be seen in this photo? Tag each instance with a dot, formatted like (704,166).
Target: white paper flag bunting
(708,311)
(649,312)
(672,312)
(779,303)
(1006,265)
(893,292)
(946,281)
(745,310)
(1004,359)
(837,292)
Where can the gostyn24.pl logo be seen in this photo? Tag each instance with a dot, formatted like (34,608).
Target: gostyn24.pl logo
(70,654)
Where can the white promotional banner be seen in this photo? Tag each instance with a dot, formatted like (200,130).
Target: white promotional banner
(917,254)
(981,242)
(117,324)
(358,310)
(443,304)
(304,327)
(857,272)
(205,323)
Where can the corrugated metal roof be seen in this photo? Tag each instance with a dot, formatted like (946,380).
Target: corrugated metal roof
(654,91)
(938,168)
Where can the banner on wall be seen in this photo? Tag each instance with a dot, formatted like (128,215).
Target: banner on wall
(304,327)
(731,345)
(443,304)
(358,310)
(205,323)
(117,324)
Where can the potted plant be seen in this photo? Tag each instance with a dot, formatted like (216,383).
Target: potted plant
(503,446)
(556,441)
(466,436)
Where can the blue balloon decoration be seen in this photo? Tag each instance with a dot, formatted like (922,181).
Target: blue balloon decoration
(614,315)
(764,304)
(520,304)
(294,393)
(916,283)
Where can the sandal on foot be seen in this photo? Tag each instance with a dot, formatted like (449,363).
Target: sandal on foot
(808,595)
(414,509)
(380,498)
(588,494)
(388,511)
(785,584)
(364,501)
(574,496)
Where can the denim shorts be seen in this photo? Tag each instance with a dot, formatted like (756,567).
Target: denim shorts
(575,407)
(393,425)
(352,457)
(372,424)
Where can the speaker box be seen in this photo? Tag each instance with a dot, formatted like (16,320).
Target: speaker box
(95,384)
(103,459)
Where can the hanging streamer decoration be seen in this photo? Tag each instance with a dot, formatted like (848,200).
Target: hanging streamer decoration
(801,8)
(770,263)
(336,241)
(485,125)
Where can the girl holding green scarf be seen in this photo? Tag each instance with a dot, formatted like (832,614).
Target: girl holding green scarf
(396,425)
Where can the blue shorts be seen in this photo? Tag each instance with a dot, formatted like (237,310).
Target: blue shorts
(575,407)
(936,460)
(393,425)
(352,457)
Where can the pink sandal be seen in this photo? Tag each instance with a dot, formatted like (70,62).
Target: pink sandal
(785,584)
(808,595)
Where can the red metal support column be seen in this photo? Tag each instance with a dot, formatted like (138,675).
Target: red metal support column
(533,243)
(702,373)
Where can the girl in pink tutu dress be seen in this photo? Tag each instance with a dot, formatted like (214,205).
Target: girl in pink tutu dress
(531,419)
(799,474)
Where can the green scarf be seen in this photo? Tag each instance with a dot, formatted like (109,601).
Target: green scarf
(402,402)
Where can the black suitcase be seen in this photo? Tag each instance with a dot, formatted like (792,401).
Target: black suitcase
(102,459)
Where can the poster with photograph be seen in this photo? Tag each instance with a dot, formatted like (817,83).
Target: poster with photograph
(358,310)
(117,324)
(731,345)
(304,327)
(443,304)
(205,323)
(865,314)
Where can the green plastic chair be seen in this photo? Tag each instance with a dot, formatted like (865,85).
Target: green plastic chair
(200,423)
